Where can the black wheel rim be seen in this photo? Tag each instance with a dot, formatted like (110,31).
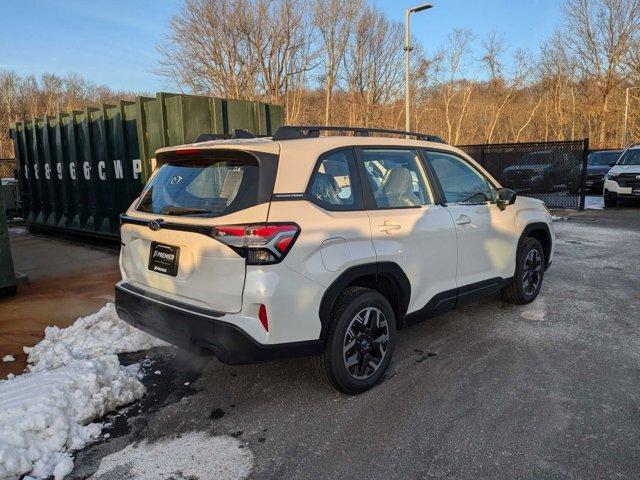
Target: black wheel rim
(532,270)
(365,343)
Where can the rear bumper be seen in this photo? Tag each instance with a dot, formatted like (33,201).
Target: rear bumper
(197,330)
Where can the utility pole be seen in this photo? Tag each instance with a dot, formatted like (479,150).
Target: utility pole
(626,117)
(407,50)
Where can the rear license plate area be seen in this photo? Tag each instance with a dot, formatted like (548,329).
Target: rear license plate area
(164,259)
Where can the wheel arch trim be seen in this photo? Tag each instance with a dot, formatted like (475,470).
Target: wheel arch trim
(540,226)
(390,270)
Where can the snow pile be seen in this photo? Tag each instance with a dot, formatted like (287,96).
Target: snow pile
(44,415)
(8,358)
(192,455)
(74,377)
(89,337)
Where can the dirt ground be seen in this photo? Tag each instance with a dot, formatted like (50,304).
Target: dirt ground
(66,281)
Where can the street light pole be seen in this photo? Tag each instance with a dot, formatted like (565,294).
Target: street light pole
(407,50)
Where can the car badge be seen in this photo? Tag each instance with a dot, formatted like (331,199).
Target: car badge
(155,225)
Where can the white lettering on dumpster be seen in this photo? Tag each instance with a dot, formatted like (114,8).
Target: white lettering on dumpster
(47,171)
(72,170)
(101,173)
(137,167)
(59,170)
(26,171)
(86,167)
(117,168)
(35,171)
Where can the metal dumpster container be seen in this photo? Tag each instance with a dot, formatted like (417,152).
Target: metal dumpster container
(7,274)
(78,170)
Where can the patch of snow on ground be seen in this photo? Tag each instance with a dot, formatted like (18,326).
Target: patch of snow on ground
(45,415)
(8,358)
(594,202)
(74,377)
(191,455)
(89,337)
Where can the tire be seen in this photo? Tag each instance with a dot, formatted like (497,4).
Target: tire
(353,322)
(530,265)
(610,202)
(549,184)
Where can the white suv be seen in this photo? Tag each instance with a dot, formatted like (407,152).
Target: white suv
(623,180)
(307,245)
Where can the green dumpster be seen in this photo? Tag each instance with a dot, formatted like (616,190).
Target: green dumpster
(79,170)
(7,274)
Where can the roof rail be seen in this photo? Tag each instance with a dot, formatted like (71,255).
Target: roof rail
(237,133)
(294,132)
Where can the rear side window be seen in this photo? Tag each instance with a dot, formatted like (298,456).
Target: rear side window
(396,177)
(332,182)
(208,188)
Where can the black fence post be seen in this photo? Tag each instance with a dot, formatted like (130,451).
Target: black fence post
(583,182)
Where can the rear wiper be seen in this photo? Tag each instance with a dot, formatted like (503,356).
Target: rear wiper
(182,211)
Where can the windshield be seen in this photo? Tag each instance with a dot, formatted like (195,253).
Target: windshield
(630,157)
(209,188)
(536,158)
(603,158)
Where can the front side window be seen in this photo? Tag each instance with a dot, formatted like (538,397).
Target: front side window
(333,180)
(460,182)
(208,188)
(396,178)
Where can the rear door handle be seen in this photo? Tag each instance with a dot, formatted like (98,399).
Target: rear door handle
(388,227)
(463,220)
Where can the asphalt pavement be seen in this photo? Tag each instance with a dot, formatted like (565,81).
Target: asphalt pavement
(491,391)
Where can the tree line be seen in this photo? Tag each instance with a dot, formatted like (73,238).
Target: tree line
(340,62)
(27,96)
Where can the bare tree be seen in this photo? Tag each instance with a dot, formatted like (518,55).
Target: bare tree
(602,32)
(501,89)
(238,48)
(456,90)
(372,65)
(335,21)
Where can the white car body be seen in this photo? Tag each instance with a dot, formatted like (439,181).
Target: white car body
(623,181)
(438,255)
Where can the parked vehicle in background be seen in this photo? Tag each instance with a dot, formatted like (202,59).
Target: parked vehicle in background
(543,171)
(599,162)
(622,182)
(263,248)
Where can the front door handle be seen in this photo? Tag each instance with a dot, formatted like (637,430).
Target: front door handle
(388,227)
(463,220)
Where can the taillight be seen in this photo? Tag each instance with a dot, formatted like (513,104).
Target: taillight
(260,244)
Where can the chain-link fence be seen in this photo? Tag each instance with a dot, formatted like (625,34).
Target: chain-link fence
(554,172)
(7,167)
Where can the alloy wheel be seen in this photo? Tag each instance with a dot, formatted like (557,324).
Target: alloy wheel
(532,270)
(365,343)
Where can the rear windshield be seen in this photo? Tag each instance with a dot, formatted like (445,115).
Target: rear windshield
(207,188)
(603,158)
(630,157)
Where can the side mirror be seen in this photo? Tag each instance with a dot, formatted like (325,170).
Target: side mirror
(506,197)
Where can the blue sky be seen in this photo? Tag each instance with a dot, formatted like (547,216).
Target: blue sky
(114,42)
